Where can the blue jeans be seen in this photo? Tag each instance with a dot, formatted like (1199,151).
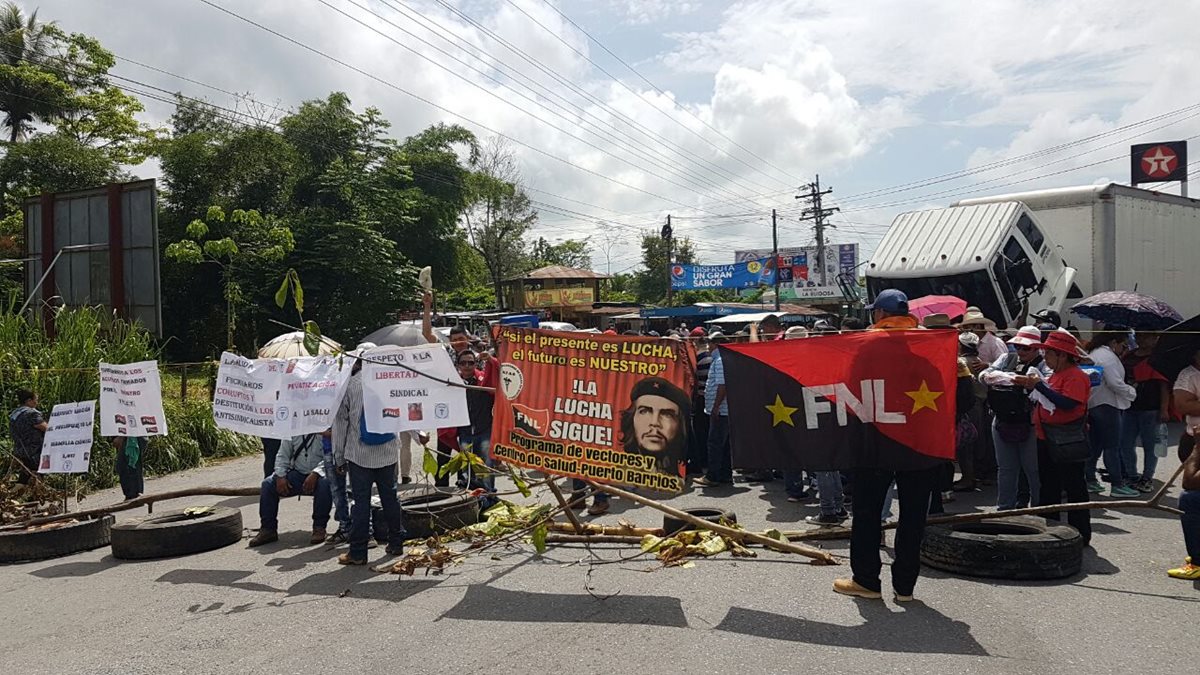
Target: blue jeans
(829,486)
(1013,459)
(1140,425)
(481,446)
(268,500)
(720,463)
(341,501)
(1189,503)
(1104,433)
(361,481)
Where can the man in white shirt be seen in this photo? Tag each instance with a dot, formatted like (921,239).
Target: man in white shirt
(991,347)
(371,460)
(1105,414)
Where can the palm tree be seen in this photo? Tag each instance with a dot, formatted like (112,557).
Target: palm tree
(27,96)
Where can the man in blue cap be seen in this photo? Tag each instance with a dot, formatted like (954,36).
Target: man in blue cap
(871,486)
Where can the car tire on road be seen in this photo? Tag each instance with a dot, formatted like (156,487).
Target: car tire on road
(1016,547)
(433,512)
(671,525)
(55,539)
(174,533)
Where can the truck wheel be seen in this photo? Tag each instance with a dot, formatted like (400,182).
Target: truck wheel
(672,525)
(1016,547)
(435,512)
(173,533)
(54,540)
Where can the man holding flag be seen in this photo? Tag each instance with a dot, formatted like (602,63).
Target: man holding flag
(874,404)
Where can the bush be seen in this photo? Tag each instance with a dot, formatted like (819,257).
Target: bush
(65,369)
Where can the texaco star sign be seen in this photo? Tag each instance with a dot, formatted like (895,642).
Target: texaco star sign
(1159,161)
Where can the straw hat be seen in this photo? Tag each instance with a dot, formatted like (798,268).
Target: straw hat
(974,317)
(1028,336)
(936,321)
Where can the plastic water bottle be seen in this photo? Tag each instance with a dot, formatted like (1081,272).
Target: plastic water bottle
(1161,442)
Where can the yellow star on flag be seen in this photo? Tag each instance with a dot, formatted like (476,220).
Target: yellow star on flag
(923,398)
(782,414)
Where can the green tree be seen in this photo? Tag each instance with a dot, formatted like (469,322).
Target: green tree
(620,288)
(651,283)
(244,245)
(499,214)
(575,253)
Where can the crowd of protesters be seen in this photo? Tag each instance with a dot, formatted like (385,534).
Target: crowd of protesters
(1040,416)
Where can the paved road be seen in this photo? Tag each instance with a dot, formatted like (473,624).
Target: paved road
(289,608)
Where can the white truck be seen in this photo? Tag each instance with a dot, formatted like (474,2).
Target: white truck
(1017,253)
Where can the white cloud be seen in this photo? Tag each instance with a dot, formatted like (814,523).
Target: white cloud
(640,12)
(805,86)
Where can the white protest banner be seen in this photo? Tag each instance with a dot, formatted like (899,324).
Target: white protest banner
(67,447)
(397,399)
(312,389)
(131,400)
(246,397)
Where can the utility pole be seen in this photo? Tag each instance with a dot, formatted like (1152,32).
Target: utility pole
(775,256)
(817,214)
(667,233)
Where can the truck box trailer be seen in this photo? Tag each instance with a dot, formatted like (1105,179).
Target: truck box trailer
(1014,253)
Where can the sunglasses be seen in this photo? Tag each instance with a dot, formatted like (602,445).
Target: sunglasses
(467,363)
(1026,348)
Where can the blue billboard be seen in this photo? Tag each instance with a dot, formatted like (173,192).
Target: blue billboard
(744,274)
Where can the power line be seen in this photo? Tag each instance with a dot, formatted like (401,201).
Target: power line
(442,108)
(448,36)
(657,89)
(685,174)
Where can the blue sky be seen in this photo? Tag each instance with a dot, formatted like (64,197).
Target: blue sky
(752,98)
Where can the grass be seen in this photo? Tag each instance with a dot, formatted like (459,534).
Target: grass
(64,369)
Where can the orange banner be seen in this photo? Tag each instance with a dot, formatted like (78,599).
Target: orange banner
(559,297)
(605,408)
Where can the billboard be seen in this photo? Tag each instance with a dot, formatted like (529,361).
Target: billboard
(1158,162)
(799,276)
(112,259)
(559,297)
(750,273)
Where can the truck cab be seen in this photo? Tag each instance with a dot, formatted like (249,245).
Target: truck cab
(994,256)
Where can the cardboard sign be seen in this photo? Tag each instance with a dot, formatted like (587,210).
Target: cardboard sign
(397,395)
(246,397)
(67,447)
(312,388)
(131,400)
(606,408)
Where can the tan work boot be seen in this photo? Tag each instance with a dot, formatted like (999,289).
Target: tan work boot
(318,536)
(852,587)
(264,536)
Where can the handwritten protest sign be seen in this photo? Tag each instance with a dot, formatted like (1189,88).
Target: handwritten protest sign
(131,400)
(246,395)
(312,387)
(607,408)
(397,399)
(67,447)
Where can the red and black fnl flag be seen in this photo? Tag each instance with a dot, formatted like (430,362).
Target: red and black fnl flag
(1158,162)
(877,399)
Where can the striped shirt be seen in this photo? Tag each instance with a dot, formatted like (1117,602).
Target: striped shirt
(347,441)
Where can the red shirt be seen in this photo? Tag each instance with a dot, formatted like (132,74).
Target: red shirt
(1075,385)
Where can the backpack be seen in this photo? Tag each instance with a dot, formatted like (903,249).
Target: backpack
(370,438)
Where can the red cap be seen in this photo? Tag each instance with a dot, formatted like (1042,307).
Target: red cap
(698,331)
(610,332)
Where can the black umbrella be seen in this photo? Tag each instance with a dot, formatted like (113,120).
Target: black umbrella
(1129,309)
(1177,348)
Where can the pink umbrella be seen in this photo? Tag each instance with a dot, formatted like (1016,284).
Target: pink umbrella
(937,304)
